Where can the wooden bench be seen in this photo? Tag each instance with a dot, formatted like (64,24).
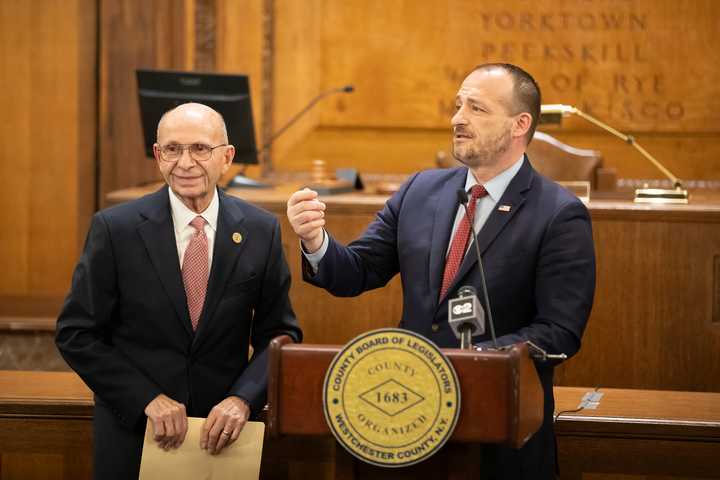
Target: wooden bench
(648,433)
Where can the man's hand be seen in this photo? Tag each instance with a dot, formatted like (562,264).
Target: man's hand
(224,424)
(307,217)
(169,421)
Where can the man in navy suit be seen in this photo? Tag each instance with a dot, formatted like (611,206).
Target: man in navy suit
(534,236)
(170,291)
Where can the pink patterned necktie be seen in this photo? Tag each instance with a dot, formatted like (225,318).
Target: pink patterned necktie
(460,241)
(195,270)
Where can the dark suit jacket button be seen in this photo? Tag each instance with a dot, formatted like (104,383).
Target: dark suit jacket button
(435,327)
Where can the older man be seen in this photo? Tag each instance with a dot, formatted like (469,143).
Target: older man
(170,291)
(535,239)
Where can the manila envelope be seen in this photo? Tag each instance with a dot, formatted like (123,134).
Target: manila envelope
(239,460)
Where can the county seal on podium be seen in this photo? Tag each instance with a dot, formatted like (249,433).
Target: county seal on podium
(391,398)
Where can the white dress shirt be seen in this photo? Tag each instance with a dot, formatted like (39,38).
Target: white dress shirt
(182,216)
(495,187)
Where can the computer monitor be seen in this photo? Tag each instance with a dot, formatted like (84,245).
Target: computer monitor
(162,90)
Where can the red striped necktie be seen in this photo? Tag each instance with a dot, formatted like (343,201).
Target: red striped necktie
(460,241)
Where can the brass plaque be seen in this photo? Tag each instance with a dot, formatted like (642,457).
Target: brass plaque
(391,398)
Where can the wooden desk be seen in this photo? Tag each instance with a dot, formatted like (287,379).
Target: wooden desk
(639,432)
(655,323)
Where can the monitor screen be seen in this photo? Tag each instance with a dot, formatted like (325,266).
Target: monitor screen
(162,90)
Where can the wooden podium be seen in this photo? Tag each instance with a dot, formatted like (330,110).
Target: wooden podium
(502,403)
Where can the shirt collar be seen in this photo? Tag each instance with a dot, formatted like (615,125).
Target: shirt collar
(182,215)
(498,184)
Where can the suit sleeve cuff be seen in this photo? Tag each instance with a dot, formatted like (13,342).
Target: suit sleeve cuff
(315,257)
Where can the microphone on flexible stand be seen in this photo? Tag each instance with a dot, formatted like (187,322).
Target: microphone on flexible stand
(297,116)
(463,199)
(534,350)
(240,181)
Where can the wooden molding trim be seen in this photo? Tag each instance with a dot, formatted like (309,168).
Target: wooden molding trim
(27,324)
(205,35)
(268,55)
(47,306)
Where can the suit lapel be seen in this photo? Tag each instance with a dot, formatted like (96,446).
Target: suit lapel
(513,197)
(225,255)
(443,218)
(158,234)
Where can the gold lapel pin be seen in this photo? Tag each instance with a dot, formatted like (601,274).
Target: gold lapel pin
(237,237)
(504,208)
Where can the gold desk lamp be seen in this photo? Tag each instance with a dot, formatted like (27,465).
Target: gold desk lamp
(554,114)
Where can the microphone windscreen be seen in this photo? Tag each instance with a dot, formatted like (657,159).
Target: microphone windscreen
(462,196)
(466,291)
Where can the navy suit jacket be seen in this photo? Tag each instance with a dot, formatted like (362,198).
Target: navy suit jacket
(126,330)
(539,263)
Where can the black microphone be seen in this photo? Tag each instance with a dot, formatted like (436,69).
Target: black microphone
(466,316)
(463,199)
(296,117)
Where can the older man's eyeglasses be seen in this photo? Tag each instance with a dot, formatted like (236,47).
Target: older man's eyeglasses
(198,151)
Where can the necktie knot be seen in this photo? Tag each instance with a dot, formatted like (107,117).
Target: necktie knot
(477,191)
(198,223)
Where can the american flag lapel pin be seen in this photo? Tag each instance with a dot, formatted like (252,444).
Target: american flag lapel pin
(504,208)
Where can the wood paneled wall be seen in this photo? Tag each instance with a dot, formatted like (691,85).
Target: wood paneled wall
(297,71)
(242,48)
(47,147)
(643,66)
(640,65)
(201,35)
(135,34)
